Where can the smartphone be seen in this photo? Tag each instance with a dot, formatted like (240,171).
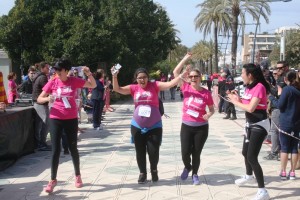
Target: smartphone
(117,67)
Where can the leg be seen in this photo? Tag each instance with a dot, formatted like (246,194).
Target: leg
(153,143)
(140,148)
(56,129)
(199,139)
(70,128)
(274,132)
(96,110)
(186,146)
(256,140)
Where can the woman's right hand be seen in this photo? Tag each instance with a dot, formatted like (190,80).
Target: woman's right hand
(113,71)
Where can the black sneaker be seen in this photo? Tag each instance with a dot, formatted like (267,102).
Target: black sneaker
(142,178)
(271,156)
(154,176)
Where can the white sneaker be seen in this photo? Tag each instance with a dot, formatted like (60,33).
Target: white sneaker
(100,127)
(262,195)
(244,180)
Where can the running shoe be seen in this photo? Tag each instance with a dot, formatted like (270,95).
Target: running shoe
(185,174)
(262,195)
(78,182)
(196,179)
(283,175)
(142,178)
(49,188)
(292,175)
(244,180)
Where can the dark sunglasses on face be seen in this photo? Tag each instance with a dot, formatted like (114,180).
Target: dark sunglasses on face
(195,76)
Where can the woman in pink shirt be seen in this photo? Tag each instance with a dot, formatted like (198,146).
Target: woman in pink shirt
(146,124)
(12,87)
(194,127)
(61,94)
(254,102)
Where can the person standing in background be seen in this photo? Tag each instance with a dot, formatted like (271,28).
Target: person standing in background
(26,87)
(12,87)
(172,89)
(42,110)
(229,86)
(163,78)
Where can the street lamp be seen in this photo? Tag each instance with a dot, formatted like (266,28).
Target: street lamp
(254,39)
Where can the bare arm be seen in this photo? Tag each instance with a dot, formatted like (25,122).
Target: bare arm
(90,83)
(122,90)
(43,98)
(180,65)
(247,107)
(210,113)
(172,83)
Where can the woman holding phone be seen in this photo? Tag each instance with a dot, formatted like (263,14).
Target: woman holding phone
(146,124)
(254,102)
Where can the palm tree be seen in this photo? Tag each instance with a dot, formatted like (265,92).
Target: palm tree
(239,8)
(213,13)
(203,51)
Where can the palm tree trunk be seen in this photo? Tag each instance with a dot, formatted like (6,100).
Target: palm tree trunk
(234,38)
(210,64)
(216,49)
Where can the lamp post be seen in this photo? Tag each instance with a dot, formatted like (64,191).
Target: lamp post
(254,39)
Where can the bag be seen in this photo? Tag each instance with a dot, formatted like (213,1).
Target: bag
(161,107)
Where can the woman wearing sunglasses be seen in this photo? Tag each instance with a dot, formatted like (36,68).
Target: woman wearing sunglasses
(146,124)
(61,93)
(194,127)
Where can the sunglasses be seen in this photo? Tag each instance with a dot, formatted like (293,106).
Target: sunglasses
(195,76)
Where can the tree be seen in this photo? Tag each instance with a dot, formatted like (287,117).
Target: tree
(239,8)
(213,16)
(89,32)
(203,52)
(293,48)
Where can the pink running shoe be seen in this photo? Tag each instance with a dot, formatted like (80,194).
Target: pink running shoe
(292,175)
(283,175)
(78,182)
(49,188)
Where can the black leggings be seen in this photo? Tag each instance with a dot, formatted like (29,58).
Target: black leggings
(251,150)
(148,142)
(192,139)
(56,130)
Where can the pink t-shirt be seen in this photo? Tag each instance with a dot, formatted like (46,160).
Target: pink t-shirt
(145,96)
(258,91)
(64,90)
(194,103)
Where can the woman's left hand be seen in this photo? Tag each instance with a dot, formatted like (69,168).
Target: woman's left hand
(206,117)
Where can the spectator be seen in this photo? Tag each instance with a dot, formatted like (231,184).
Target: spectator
(26,87)
(146,124)
(289,122)
(163,78)
(194,127)
(12,87)
(61,92)
(222,91)
(97,99)
(229,87)
(172,89)
(254,102)
(42,110)
(281,69)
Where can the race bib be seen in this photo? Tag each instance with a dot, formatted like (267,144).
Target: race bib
(192,113)
(144,111)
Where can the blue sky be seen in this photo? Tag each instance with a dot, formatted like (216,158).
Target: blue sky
(183,12)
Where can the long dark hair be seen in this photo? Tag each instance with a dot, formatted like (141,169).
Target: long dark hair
(257,75)
(293,78)
(140,70)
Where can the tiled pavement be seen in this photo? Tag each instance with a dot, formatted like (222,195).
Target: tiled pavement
(109,169)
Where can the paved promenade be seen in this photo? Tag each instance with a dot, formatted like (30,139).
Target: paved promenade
(109,169)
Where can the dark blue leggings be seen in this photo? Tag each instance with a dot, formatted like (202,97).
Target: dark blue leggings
(56,130)
(192,140)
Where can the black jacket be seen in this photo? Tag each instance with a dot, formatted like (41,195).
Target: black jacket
(39,81)
(26,87)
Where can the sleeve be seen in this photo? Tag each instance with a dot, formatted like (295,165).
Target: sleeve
(78,82)
(48,87)
(132,89)
(259,91)
(283,99)
(156,87)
